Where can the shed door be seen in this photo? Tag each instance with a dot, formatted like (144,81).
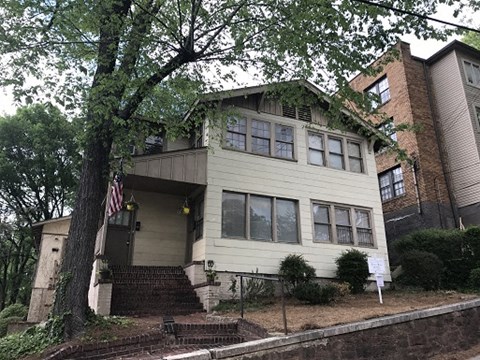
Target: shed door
(119,242)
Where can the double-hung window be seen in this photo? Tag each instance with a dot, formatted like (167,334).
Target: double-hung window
(237,133)
(260,137)
(380,92)
(258,217)
(472,73)
(391,183)
(477,115)
(329,151)
(342,224)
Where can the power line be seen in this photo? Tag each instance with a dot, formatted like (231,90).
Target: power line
(407,12)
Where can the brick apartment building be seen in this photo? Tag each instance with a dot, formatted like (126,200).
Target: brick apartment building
(440,95)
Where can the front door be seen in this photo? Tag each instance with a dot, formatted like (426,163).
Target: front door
(119,242)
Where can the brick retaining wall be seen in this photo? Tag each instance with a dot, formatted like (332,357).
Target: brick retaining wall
(414,335)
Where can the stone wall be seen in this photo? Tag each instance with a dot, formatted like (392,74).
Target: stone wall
(415,335)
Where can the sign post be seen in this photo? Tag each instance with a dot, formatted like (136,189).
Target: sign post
(377,266)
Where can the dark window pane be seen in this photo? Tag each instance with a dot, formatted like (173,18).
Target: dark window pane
(284,133)
(284,150)
(287,227)
(344,234)
(260,146)
(322,232)
(260,129)
(236,141)
(260,218)
(233,215)
(238,125)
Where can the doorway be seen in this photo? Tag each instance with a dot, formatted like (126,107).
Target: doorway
(119,241)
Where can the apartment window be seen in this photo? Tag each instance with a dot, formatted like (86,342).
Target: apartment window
(284,141)
(257,217)
(388,128)
(237,133)
(325,150)
(391,183)
(335,224)
(380,91)
(472,73)
(256,136)
(477,115)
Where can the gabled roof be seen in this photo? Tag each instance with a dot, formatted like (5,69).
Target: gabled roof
(216,96)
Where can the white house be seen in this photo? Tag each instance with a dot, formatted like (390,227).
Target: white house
(273,181)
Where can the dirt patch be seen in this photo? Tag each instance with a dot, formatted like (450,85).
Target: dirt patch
(350,308)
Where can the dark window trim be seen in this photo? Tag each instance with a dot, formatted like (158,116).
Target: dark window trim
(391,184)
(376,86)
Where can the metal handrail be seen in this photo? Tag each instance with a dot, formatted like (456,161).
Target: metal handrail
(280,280)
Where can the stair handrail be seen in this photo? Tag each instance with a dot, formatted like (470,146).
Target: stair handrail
(280,280)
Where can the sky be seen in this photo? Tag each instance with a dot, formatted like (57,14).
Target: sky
(418,47)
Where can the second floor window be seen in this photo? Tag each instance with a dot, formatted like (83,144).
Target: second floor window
(329,151)
(391,183)
(381,92)
(472,72)
(477,115)
(260,137)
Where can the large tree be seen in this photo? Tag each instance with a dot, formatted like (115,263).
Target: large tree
(39,163)
(472,38)
(114,58)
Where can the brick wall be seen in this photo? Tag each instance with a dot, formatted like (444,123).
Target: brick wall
(409,104)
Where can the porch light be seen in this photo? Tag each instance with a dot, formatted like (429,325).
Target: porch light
(185,209)
(131,204)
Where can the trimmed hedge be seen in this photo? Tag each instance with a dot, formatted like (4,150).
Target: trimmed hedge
(315,294)
(421,268)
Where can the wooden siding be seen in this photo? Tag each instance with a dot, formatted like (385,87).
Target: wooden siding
(454,110)
(238,171)
(162,237)
(185,166)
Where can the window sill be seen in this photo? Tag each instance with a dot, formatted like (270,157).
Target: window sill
(262,241)
(341,244)
(255,154)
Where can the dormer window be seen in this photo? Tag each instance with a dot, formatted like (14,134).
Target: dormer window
(380,91)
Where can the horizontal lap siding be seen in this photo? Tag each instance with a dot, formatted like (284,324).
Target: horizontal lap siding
(162,237)
(247,173)
(454,117)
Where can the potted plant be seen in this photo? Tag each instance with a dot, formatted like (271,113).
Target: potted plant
(104,271)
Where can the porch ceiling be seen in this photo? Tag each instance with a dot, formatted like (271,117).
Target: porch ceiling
(149,184)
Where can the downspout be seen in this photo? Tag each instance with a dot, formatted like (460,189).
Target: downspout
(453,205)
(415,185)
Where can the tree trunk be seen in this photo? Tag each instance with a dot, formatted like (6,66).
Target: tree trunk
(71,298)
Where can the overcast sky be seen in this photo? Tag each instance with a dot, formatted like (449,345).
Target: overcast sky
(420,48)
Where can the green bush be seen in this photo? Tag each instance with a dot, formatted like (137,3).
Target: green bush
(421,268)
(315,294)
(474,279)
(296,270)
(17,310)
(257,289)
(472,243)
(352,267)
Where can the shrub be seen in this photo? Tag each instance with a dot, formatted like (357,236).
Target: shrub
(352,267)
(315,294)
(421,268)
(17,310)
(472,243)
(296,270)
(474,279)
(257,289)
(343,289)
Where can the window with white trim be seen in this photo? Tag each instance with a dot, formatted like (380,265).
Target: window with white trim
(391,183)
(472,73)
(380,91)
(258,217)
(260,137)
(329,151)
(342,224)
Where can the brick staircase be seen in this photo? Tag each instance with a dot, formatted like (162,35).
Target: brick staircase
(152,290)
(207,335)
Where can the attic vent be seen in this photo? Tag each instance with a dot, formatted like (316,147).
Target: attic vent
(289,111)
(305,113)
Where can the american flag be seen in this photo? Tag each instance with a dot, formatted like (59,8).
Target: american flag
(116,197)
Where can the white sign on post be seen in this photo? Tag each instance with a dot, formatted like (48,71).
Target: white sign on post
(377,266)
